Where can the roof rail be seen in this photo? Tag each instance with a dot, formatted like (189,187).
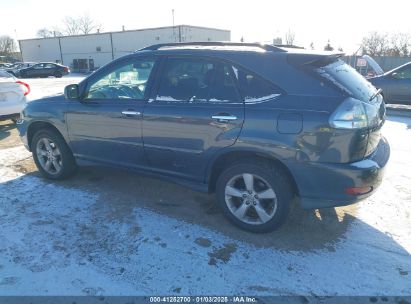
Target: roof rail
(265,47)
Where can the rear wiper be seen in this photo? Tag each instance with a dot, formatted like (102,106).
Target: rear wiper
(375,94)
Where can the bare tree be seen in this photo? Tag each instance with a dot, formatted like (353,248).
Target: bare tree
(71,26)
(289,37)
(87,25)
(312,45)
(328,47)
(80,25)
(400,45)
(44,33)
(375,44)
(7,45)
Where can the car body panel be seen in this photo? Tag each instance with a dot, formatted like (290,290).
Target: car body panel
(12,98)
(182,141)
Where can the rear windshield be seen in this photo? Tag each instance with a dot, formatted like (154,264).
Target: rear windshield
(347,79)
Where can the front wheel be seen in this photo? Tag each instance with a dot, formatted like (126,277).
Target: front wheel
(255,197)
(52,156)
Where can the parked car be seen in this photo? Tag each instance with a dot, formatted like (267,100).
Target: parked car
(13,94)
(44,69)
(395,84)
(15,68)
(255,124)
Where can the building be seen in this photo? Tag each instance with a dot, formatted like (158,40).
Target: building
(87,52)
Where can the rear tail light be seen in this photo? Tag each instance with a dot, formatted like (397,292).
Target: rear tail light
(66,69)
(25,85)
(354,114)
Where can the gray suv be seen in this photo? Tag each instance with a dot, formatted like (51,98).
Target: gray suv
(256,124)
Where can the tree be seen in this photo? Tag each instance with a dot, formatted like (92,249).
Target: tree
(87,25)
(80,25)
(400,44)
(289,37)
(44,33)
(71,26)
(375,44)
(7,46)
(328,47)
(312,45)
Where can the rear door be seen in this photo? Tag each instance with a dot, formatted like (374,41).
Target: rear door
(196,111)
(106,124)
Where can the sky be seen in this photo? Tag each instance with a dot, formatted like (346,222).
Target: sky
(343,23)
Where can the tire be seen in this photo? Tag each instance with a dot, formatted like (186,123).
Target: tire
(249,206)
(56,163)
(58,75)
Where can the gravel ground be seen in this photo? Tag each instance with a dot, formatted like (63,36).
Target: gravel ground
(109,232)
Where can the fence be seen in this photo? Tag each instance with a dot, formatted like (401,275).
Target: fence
(386,62)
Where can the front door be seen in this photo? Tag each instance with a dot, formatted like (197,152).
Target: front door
(197,110)
(106,125)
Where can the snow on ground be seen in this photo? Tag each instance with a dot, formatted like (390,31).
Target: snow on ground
(57,240)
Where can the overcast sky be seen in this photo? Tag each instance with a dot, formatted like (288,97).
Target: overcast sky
(344,23)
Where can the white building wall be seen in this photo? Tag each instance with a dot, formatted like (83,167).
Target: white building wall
(128,42)
(105,47)
(96,47)
(40,50)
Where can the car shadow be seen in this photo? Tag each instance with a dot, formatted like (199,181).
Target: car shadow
(5,129)
(121,192)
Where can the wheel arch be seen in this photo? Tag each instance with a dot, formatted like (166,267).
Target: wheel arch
(36,126)
(228,158)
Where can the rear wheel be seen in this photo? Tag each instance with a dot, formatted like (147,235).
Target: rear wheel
(58,75)
(52,156)
(255,197)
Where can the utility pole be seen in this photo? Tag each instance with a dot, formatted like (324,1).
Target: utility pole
(174,34)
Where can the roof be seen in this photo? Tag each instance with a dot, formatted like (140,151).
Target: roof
(129,31)
(215,46)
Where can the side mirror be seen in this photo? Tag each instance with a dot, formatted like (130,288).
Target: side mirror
(71,91)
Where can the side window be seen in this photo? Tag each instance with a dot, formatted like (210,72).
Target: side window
(254,87)
(38,66)
(125,81)
(404,73)
(197,80)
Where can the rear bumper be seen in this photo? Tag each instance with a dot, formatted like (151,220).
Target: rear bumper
(322,185)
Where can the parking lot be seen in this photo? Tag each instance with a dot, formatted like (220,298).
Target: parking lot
(110,232)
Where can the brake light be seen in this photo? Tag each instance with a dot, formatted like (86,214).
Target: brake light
(355,114)
(66,69)
(25,85)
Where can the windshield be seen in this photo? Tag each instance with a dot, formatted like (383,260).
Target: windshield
(348,79)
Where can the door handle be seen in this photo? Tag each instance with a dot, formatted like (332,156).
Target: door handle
(131,113)
(224,118)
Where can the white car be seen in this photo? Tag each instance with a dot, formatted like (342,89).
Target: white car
(13,94)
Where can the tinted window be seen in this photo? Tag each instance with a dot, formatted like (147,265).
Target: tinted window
(254,87)
(404,73)
(197,80)
(125,81)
